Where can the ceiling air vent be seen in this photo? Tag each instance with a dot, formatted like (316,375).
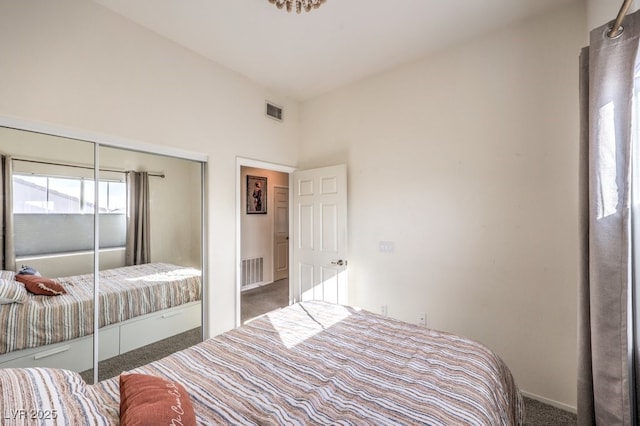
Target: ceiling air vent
(274,111)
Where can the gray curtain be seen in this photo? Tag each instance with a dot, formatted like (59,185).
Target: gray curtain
(138,249)
(606,346)
(7,249)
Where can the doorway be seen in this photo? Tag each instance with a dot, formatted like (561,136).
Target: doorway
(263,238)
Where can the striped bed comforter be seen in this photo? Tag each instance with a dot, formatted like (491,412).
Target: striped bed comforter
(125,293)
(316,363)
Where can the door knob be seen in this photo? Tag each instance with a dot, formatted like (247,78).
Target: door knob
(339,262)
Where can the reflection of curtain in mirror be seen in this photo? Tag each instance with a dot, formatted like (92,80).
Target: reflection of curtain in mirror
(7,250)
(138,249)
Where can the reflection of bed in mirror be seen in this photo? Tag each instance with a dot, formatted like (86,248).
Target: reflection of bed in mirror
(139,305)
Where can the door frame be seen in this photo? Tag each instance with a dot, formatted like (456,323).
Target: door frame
(248,162)
(275,187)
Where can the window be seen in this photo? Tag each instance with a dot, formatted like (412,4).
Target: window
(68,204)
(49,194)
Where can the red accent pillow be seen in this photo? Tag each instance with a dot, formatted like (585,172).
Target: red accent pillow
(151,400)
(40,285)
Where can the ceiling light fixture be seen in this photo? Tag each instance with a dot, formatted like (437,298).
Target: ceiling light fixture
(307,5)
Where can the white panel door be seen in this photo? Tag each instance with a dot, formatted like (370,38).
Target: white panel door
(280,233)
(320,234)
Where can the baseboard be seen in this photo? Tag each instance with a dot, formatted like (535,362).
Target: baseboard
(254,286)
(551,402)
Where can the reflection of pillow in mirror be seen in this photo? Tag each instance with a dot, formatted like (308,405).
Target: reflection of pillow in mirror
(150,400)
(12,292)
(7,275)
(40,285)
(56,396)
(28,270)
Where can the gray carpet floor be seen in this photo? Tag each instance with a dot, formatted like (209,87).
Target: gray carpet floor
(260,301)
(264,299)
(114,366)
(540,414)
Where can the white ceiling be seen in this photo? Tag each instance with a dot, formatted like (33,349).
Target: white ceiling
(305,55)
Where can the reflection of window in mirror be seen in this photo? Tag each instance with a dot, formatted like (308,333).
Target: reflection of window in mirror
(69,202)
(52,194)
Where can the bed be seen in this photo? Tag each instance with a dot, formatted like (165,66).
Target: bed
(309,363)
(57,330)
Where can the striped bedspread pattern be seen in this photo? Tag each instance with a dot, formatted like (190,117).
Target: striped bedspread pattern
(47,396)
(315,363)
(125,293)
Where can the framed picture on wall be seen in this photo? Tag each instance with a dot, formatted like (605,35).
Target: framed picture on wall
(256,195)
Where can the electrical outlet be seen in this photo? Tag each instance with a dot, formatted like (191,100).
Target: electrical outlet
(422,319)
(384,310)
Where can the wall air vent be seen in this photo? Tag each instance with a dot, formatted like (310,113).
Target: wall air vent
(273,111)
(252,272)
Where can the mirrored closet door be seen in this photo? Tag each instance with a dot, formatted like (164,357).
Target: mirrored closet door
(144,274)
(48,232)
(152,289)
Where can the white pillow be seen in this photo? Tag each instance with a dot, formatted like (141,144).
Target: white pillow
(12,292)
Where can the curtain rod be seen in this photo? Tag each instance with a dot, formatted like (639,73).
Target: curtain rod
(154,174)
(616,29)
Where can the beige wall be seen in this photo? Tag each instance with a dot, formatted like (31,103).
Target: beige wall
(75,64)
(467,161)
